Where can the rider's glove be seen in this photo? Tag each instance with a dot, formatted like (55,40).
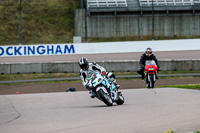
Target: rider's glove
(87,86)
(142,67)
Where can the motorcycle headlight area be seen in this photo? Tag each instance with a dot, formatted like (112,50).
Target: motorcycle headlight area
(151,68)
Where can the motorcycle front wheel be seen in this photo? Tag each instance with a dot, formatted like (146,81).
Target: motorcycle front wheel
(147,81)
(105,98)
(151,83)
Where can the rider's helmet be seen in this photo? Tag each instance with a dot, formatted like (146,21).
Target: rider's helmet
(83,63)
(148,52)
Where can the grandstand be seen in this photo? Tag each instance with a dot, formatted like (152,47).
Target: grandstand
(142,7)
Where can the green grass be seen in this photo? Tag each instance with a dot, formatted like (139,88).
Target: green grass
(177,72)
(8,77)
(63,75)
(36,76)
(41,82)
(187,86)
(43,22)
(49,22)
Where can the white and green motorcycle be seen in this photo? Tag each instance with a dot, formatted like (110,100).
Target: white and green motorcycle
(103,89)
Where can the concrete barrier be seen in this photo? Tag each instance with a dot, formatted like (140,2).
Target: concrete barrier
(121,66)
(25,68)
(115,66)
(61,67)
(5,68)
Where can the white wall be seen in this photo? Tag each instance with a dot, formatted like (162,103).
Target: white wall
(106,47)
(138,46)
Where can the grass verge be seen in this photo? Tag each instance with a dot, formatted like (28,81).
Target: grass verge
(6,77)
(188,86)
(10,77)
(36,76)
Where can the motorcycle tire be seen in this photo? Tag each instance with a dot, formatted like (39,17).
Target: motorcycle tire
(147,82)
(151,84)
(105,98)
(120,100)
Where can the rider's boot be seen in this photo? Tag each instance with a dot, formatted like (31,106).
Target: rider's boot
(157,76)
(142,78)
(91,94)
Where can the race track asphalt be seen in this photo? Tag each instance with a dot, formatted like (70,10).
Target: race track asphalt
(144,111)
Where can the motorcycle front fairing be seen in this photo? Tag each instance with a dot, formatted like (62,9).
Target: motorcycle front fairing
(96,81)
(112,87)
(150,67)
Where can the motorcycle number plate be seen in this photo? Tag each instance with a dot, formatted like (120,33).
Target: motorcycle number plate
(151,68)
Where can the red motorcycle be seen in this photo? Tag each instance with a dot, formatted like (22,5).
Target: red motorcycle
(150,71)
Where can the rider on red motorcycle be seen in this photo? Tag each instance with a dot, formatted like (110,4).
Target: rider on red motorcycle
(147,56)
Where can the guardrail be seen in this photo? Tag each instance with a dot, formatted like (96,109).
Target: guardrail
(78,78)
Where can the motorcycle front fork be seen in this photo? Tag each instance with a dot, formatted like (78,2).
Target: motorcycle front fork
(147,76)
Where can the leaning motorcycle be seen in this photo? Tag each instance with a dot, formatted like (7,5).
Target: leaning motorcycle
(98,84)
(150,71)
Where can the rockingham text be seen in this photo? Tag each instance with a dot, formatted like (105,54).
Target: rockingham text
(27,50)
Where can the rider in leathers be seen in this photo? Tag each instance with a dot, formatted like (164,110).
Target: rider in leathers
(147,56)
(92,66)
